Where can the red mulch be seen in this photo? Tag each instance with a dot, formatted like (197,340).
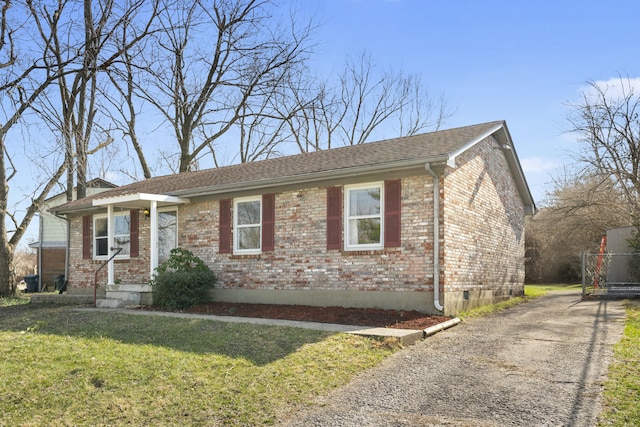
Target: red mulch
(371,317)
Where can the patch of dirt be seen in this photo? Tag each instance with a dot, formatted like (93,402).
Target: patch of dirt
(371,317)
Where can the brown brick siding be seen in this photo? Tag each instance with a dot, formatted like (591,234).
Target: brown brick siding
(300,259)
(483,224)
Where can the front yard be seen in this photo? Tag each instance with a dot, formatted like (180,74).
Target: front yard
(62,367)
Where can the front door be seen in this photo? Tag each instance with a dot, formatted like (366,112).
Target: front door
(167,233)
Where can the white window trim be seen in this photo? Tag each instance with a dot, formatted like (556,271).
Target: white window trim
(236,234)
(95,246)
(369,246)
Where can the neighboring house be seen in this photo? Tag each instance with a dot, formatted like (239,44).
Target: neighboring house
(351,226)
(51,246)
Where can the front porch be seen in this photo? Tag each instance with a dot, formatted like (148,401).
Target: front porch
(159,209)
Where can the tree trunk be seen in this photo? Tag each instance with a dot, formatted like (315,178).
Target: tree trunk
(8,283)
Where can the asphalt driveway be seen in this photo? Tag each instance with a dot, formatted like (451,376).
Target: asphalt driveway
(537,364)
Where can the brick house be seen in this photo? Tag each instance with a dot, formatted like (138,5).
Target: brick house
(351,226)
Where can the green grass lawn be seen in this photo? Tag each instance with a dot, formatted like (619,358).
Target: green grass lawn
(20,299)
(62,367)
(622,387)
(537,290)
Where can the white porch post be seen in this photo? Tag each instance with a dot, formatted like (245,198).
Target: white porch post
(110,241)
(153,235)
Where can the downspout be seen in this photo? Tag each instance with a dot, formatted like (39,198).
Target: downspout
(67,250)
(436,237)
(41,235)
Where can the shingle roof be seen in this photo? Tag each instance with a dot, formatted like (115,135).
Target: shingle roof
(291,169)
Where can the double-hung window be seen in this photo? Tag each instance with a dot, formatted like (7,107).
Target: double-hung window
(247,221)
(121,234)
(363,220)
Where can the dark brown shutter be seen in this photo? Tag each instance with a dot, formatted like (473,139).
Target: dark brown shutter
(224,243)
(134,243)
(334,218)
(268,221)
(86,237)
(392,217)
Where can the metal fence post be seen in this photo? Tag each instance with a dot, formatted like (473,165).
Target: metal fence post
(584,273)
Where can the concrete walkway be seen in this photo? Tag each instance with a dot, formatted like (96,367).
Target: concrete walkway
(537,364)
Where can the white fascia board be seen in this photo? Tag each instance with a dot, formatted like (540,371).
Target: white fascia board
(504,139)
(140,197)
(452,157)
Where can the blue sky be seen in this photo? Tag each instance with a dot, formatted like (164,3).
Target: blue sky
(519,61)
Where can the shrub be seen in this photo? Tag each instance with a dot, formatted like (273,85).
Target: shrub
(182,281)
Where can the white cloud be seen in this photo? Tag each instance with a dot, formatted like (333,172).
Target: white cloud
(615,87)
(537,165)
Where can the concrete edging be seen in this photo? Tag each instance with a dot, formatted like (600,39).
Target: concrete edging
(405,336)
(432,330)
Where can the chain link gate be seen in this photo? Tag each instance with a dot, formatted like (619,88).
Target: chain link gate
(611,274)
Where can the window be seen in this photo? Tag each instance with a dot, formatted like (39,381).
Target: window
(363,217)
(167,233)
(253,222)
(247,221)
(121,234)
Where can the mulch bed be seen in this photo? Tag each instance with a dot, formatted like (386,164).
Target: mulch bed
(370,317)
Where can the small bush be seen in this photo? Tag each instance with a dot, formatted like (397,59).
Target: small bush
(182,281)
(181,260)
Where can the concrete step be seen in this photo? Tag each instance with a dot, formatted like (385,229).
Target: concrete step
(130,288)
(129,298)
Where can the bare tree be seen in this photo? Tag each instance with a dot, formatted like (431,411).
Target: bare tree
(579,211)
(127,108)
(606,123)
(215,64)
(24,79)
(91,46)
(25,262)
(364,100)
(50,48)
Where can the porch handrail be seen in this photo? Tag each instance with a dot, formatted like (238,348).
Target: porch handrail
(95,278)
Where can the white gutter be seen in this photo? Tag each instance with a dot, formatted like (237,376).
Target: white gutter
(436,237)
(311,177)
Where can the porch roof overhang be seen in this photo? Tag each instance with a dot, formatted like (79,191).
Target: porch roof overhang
(140,201)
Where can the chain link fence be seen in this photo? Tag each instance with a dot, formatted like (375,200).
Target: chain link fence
(611,274)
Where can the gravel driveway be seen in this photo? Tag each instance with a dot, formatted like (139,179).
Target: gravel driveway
(537,364)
